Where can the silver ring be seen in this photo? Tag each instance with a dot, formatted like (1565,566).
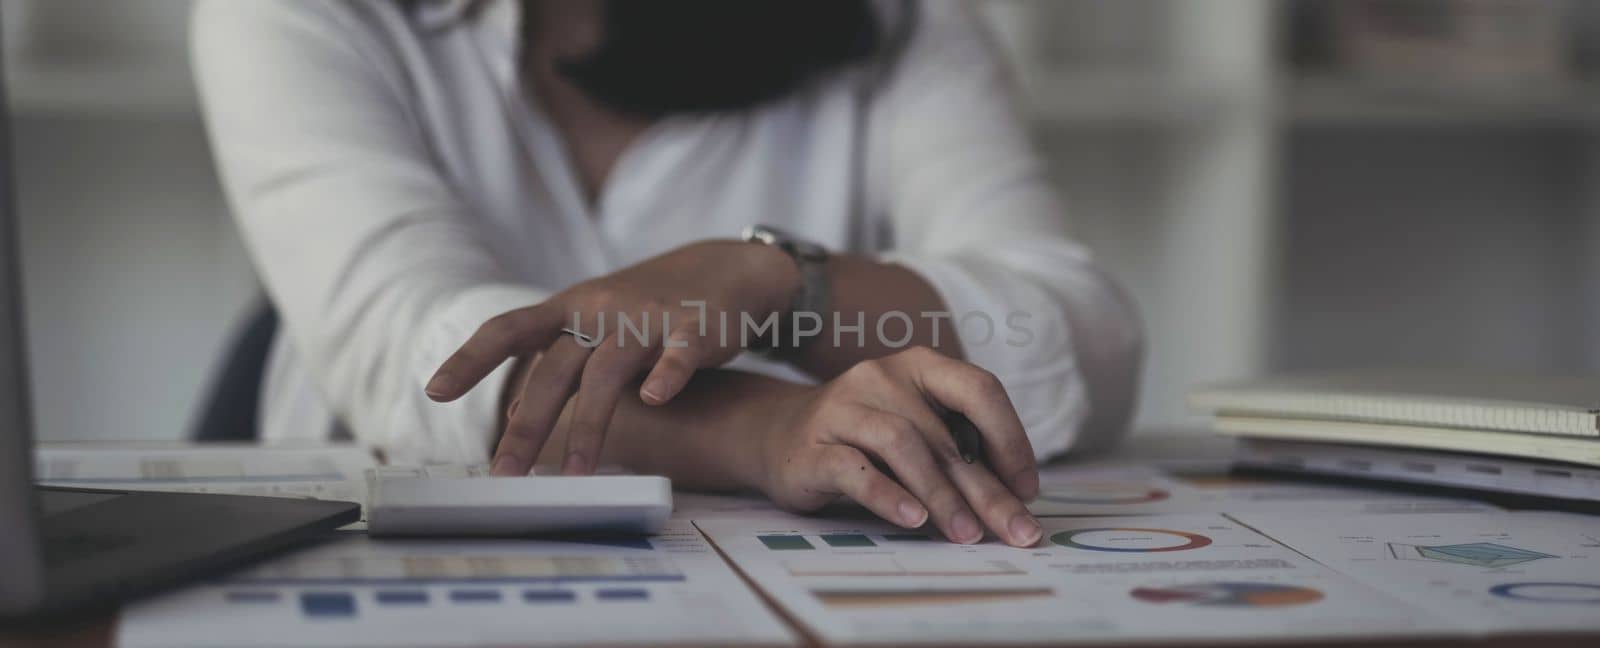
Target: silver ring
(583,338)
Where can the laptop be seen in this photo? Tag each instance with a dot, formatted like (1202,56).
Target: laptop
(67,552)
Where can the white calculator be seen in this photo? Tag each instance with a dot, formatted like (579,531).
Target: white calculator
(463,500)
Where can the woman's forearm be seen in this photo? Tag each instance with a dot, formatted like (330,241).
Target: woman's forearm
(867,291)
(708,438)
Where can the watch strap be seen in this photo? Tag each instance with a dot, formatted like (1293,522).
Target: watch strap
(814,295)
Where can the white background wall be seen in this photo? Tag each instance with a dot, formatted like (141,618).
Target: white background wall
(132,270)
(1271,213)
(1437,247)
(133,274)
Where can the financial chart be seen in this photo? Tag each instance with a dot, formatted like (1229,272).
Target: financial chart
(360,592)
(1091,579)
(1491,572)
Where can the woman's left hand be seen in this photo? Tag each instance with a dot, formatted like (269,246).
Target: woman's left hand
(677,289)
(877,434)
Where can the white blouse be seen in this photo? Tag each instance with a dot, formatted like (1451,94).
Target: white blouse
(397,188)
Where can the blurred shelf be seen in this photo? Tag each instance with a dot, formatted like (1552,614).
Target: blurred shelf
(1080,100)
(1069,100)
(1328,100)
(101,89)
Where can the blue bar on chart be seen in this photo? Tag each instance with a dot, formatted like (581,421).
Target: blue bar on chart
(549,596)
(325,605)
(785,542)
(618,594)
(847,540)
(402,597)
(405,571)
(475,596)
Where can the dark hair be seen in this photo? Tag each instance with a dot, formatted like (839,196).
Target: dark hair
(659,58)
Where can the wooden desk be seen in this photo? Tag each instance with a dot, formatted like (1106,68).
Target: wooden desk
(91,634)
(1188,452)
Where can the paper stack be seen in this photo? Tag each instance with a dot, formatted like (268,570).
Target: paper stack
(1521,434)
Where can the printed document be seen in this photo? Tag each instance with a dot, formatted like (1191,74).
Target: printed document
(671,588)
(93,465)
(1516,572)
(1181,577)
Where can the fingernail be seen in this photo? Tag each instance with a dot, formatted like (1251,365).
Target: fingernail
(653,389)
(912,515)
(1025,530)
(1026,484)
(965,529)
(440,386)
(574,465)
(503,467)
(512,411)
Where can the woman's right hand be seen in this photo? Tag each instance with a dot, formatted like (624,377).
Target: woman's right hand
(876,435)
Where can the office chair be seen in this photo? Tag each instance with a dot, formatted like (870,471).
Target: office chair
(230,408)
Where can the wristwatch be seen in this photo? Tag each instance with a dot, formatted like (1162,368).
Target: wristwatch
(815,294)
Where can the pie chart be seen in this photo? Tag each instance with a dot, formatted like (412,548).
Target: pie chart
(1103,493)
(1130,539)
(1230,594)
(1581,593)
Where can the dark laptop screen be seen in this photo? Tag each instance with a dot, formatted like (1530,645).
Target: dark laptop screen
(19,556)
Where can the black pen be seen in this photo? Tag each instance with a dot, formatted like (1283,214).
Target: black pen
(969,442)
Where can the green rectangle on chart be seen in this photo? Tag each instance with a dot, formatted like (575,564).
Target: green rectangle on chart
(905,537)
(847,540)
(785,542)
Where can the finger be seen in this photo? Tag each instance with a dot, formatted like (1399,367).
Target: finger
(999,508)
(897,442)
(510,334)
(684,351)
(609,370)
(853,475)
(911,404)
(979,395)
(549,384)
(519,381)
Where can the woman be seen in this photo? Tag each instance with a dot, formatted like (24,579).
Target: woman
(473,195)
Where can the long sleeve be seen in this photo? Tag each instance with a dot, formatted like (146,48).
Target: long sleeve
(972,211)
(378,269)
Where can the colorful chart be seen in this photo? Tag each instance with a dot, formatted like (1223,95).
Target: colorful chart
(1130,540)
(332,604)
(836,540)
(1476,554)
(438,568)
(1243,595)
(883,565)
(890,598)
(1547,592)
(1103,493)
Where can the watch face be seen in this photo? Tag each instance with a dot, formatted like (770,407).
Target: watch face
(765,234)
(776,237)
